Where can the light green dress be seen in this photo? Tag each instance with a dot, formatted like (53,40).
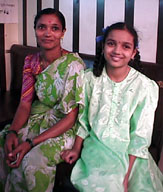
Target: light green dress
(58,88)
(117,120)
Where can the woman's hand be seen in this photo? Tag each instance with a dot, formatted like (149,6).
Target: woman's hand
(18,154)
(70,156)
(10,144)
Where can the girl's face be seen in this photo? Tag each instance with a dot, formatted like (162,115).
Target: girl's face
(119,48)
(49,31)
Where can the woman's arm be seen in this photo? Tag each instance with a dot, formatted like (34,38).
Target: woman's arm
(59,128)
(21,116)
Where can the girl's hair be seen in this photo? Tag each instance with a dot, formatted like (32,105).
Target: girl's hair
(100,61)
(49,11)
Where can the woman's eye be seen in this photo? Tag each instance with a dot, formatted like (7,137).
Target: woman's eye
(41,27)
(55,28)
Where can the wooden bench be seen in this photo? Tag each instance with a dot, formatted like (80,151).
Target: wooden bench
(9,101)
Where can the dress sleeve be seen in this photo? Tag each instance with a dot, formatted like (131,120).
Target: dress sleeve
(73,87)
(141,123)
(83,121)
(28,81)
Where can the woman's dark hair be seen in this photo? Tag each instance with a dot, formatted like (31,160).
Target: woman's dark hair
(49,11)
(100,61)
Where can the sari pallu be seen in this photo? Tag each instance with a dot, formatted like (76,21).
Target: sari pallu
(58,88)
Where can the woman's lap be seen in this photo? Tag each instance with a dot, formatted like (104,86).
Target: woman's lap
(37,170)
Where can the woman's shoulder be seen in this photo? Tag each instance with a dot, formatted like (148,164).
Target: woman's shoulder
(32,62)
(73,59)
(31,57)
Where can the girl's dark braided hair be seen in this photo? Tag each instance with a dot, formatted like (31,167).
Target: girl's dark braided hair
(100,61)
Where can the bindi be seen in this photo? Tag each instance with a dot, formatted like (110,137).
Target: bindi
(49,21)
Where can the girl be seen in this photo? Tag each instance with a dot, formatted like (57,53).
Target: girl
(116,121)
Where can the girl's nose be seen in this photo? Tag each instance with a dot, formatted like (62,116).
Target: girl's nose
(117,49)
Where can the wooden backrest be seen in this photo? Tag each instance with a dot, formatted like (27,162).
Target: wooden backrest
(18,54)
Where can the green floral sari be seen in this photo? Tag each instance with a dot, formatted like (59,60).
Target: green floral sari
(58,89)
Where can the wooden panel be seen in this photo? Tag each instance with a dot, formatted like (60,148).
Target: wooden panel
(100,17)
(75,25)
(2,60)
(159,58)
(56,4)
(129,12)
(39,5)
(24,22)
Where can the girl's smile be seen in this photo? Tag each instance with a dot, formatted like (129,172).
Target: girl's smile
(119,48)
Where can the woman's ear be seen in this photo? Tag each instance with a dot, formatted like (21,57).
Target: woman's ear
(63,33)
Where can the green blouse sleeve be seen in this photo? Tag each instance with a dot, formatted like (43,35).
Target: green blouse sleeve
(141,123)
(83,121)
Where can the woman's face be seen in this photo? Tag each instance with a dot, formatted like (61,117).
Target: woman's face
(49,31)
(119,48)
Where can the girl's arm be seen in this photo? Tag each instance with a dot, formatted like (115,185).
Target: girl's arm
(72,155)
(131,162)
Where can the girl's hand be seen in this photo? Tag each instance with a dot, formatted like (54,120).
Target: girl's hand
(18,154)
(70,155)
(125,183)
(10,144)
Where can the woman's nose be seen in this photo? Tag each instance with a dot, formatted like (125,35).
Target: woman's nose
(47,32)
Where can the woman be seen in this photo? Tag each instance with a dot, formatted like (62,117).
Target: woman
(43,127)
(116,121)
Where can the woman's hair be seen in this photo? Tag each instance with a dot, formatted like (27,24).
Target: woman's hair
(100,61)
(50,11)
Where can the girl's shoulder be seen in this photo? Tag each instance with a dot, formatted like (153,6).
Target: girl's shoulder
(88,74)
(88,77)
(146,82)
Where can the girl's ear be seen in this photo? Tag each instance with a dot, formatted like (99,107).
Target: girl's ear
(134,53)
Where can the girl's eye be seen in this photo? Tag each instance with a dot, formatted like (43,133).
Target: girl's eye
(127,46)
(110,43)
